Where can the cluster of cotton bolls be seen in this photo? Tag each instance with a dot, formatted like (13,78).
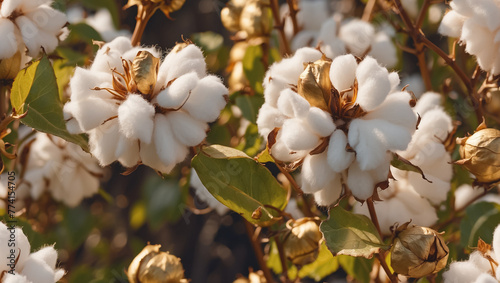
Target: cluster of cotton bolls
(409,196)
(482,266)
(29,267)
(63,169)
(477,25)
(336,36)
(138,111)
(341,118)
(31,25)
(101,21)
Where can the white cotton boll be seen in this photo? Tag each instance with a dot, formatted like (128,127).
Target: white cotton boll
(8,44)
(330,194)
(207,99)
(72,124)
(178,92)
(303,55)
(487,13)
(38,271)
(84,81)
(461,272)
(48,19)
(22,247)
(103,142)
(92,112)
(296,135)
(305,38)
(384,50)
(396,109)
(35,178)
(465,193)
(320,122)
(268,119)
(478,259)
(436,191)
(451,24)
(485,278)
(203,194)
(166,144)
(343,72)
(9,6)
(476,36)
(312,14)
(360,182)
(329,30)
(149,157)
(333,47)
(292,104)
(436,123)
(463,7)
(428,153)
(135,117)
(30,34)
(186,129)
(381,173)
(281,152)
(394,80)
(293,209)
(189,59)
(338,157)
(357,35)
(441,168)
(120,44)
(315,173)
(374,84)
(428,101)
(127,152)
(415,84)
(16,278)
(273,85)
(47,255)
(421,212)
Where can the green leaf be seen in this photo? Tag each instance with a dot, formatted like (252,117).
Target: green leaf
(264,156)
(254,68)
(323,266)
(357,267)
(163,201)
(83,31)
(351,234)
(480,221)
(35,90)
(249,106)
(240,183)
(405,165)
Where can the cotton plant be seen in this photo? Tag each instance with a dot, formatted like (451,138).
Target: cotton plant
(204,195)
(60,168)
(340,118)
(138,111)
(409,196)
(101,21)
(28,267)
(476,24)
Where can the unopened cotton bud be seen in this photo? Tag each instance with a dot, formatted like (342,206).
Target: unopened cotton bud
(302,240)
(255,19)
(9,67)
(153,266)
(314,83)
(145,71)
(418,251)
(481,154)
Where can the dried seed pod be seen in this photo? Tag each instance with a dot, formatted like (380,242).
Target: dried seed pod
(153,266)
(315,85)
(302,240)
(255,19)
(145,71)
(481,154)
(9,67)
(170,6)
(418,251)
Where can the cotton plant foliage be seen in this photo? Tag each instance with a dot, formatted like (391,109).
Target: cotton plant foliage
(477,25)
(138,111)
(60,168)
(409,196)
(39,266)
(341,117)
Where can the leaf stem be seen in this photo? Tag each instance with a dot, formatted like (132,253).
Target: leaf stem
(144,14)
(279,25)
(255,241)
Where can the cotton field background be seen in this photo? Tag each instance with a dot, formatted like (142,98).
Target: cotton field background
(249,141)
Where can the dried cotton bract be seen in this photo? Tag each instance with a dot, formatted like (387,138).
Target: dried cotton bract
(477,24)
(341,118)
(138,110)
(61,168)
(29,267)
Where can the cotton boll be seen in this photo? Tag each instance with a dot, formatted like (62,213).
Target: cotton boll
(103,142)
(343,72)
(35,178)
(72,124)
(135,117)
(268,119)
(48,19)
(127,152)
(167,147)
(92,112)
(478,259)
(374,84)
(333,47)
(451,24)
(312,14)
(315,174)
(8,44)
(329,30)
(395,81)
(357,35)
(463,271)
(189,59)
(360,182)
(149,157)
(281,152)
(339,158)
(485,278)
(384,50)
(297,136)
(83,82)
(292,104)
(22,248)
(427,101)
(304,38)
(30,34)
(130,54)
(396,108)
(304,55)
(320,122)
(428,153)
(436,123)
(436,191)
(441,168)
(186,129)
(330,194)
(487,13)
(464,193)
(38,271)
(178,92)
(273,85)
(207,99)
(16,278)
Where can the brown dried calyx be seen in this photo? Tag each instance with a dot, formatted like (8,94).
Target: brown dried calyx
(153,266)
(9,67)
(418,251)
(481,154)
(302,240)
(166,6)
(252,17)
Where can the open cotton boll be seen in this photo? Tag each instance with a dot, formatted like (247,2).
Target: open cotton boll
(8,45)
(38,271)
(188,59)
(282,153)
(48,19)
(186,129)
(207,99)
(72,124)
(384,50)
(103,142)
(374,84)
(101,111)
(451,24)
(343,72)
(166,145)
(268,119)
(427,101)
(357,35)
(303,38)
(315,173)
(29,33)
(339,158)
(331,193)
(394,80)
(462,271)
(150,157)
(22,248)
(178,92)
(15,278)
(296,135)
(127,152)
(436,123)
(83,82)
(436,191)
(320,122)
(360,182)
(135,117)
(292,104)
(312,13)
(395,109)
(9,6)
